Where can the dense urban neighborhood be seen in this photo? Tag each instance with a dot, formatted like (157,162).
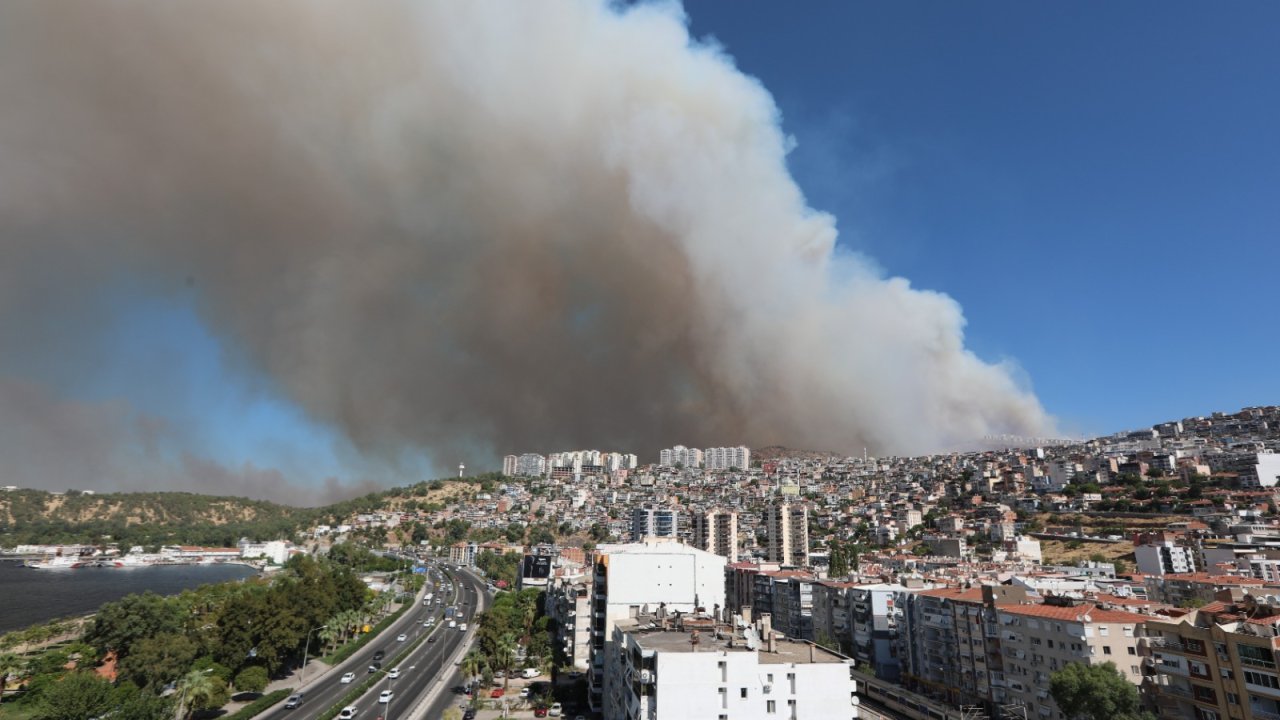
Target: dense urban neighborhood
(740,583)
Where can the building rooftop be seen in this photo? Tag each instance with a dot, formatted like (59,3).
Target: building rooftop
(714,637)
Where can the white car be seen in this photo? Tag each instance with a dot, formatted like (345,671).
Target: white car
(348,712)
(348,677)
(393,673)
(555,710)
(385,696)
(401,637)
(463,627)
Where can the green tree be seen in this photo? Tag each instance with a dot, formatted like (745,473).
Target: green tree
(77,696)
(1096,692)
(118,625)
(252,679)
(158,660)
(201,691)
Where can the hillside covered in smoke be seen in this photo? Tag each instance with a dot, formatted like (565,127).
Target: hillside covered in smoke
(465,227)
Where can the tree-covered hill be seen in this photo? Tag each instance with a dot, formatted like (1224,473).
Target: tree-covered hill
(152,518)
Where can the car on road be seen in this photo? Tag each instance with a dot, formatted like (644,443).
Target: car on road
(470,714)
(347,677)
(385,696)
(463,627)
(377,657)
(431,639)
(348,712)
(401,637)
(556,710)
(293,701)
(393,673)
(375,667)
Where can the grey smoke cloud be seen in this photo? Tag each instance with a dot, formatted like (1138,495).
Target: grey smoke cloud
(470,227)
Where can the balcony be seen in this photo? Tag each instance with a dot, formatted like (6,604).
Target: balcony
(1257,662)
(1263,714)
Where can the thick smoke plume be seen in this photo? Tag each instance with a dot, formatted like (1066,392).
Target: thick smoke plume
(470,227)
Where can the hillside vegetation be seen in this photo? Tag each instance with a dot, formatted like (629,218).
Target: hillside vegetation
(164,518)
(155,518)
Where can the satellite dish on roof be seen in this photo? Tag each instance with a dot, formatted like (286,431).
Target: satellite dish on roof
(753,639)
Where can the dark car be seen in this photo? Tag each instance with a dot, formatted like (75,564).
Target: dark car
(375,667)
(431,639)
(470,714)
(377,657)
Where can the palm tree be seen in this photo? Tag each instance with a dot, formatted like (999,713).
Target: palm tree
(473,667)
(505,658)
(328,634)
(195,688)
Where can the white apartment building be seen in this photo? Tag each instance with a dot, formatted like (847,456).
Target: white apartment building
(682,456)
(509,464)
(637,578)
(691,669)
(1164,558)
(654,522)
(727,458)
(1268,469)
(717,531)
(526,465)
(787,527)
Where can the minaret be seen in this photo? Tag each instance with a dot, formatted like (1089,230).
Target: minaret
(462,470)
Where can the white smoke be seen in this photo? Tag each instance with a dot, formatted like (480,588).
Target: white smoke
(471,227)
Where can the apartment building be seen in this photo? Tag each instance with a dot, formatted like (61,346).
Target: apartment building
(568,603)
(727,458)
(1038,640)
(1164,558)
(787,528)
(635,578)
(831,616)
(1219,661)
(654,522)
(691,668)
(1192,589)
(875,619)
(793,605)
(717,531)
(739,586)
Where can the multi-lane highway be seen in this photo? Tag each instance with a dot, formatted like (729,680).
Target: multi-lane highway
(429,665)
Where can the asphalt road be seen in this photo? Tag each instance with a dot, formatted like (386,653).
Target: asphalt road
(430,665)
(427,659)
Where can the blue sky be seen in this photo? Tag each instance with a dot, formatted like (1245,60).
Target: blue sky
(1098,184)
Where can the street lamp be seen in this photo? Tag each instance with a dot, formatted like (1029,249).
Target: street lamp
(302,674)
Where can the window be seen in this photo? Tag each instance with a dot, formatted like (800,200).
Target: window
(791,708)
(724,698)
(1133,650)
(1133,669)
(771,706)
(724,671)
(1106,649)
(791,678)
(1233,698)
(1050,643)
(1104,631)
(743,695)
(1262,679)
